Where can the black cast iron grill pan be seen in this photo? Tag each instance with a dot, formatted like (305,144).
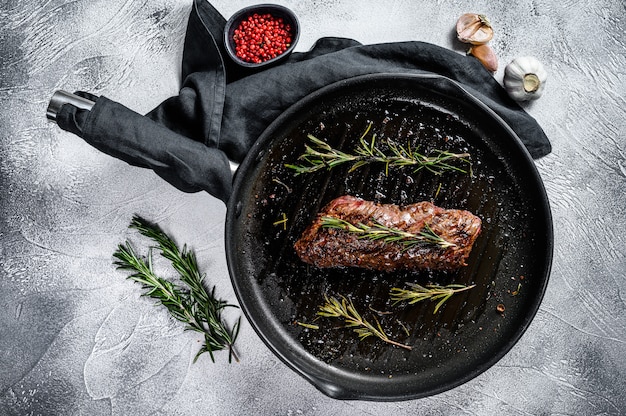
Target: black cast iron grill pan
(509,264)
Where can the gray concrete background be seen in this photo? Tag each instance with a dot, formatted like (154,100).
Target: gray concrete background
(76,338)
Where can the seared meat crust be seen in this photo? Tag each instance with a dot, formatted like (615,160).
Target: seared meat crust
(328,247)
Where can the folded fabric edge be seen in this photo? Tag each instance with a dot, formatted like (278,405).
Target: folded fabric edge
(114,129)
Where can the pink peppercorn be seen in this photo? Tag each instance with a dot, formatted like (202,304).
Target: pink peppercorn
(261,37)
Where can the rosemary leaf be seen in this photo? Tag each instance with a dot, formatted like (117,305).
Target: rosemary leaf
(344,309)
(194,305)
(417,293)
(305,325)
(282,221)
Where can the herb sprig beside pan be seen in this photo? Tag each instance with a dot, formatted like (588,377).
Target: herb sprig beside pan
(194,305)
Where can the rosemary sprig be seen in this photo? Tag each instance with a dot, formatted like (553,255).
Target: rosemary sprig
(344,309)
(196,307)
(319,154)
(417,293)
(379,231)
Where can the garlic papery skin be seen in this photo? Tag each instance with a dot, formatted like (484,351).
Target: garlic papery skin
(525,78)
(485,55)
(474,28)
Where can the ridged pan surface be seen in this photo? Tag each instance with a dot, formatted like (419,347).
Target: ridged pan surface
(509,264)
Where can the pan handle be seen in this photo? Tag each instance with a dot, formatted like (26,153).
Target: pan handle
(60,97)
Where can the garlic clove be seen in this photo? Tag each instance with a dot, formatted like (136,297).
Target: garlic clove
(485,55)
(474,28)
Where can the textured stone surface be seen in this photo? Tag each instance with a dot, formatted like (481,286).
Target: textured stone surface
(77,338)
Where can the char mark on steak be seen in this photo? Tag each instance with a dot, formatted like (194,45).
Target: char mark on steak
(323,246)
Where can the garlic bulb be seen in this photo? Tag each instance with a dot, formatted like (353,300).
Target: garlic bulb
(525,78)
(474,28)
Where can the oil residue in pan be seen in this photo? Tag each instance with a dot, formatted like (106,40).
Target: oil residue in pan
(285,204)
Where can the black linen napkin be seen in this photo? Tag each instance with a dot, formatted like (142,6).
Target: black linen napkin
(222,108)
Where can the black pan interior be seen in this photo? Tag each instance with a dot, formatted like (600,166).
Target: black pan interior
(509,264)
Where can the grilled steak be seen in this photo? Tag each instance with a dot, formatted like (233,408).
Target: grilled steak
(443,237)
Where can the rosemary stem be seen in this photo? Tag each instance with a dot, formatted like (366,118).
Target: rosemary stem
(397,344)
(233,353)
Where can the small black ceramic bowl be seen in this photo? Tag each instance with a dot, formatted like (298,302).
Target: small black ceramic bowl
(276,12)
